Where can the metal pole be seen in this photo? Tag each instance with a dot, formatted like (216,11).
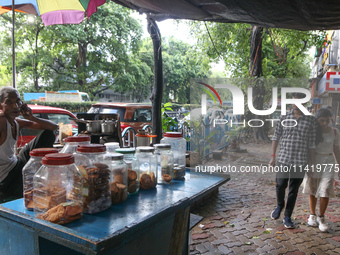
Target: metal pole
(13,45)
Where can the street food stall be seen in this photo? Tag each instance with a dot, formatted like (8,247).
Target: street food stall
(154,221)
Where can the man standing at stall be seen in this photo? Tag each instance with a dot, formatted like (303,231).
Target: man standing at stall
(10,125)
(295,132)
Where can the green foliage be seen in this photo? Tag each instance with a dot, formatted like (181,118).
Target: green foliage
(167,121)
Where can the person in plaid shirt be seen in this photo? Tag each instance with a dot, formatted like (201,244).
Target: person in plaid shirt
(295,133)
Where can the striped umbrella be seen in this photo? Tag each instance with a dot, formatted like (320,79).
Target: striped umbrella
(52,12)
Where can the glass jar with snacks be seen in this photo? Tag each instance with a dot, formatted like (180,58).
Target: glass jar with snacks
(119,178)
(147,167)
(111,147)
(58,189)
(132,167)
(178,143)
(165,159)
(91,159)
(72,142)
(31,167)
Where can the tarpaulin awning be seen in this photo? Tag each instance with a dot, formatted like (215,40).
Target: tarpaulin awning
(291,14)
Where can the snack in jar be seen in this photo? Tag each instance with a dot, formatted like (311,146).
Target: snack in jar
(132,167)
(31,167)
(58,189)
(72,142)
(178,143)
(165,159)
(147,167)
(91,159)
(119,178)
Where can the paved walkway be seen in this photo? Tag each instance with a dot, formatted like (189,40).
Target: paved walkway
(237,219)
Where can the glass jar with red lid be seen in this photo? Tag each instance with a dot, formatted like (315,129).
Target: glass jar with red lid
(31,167)
(91,159)
(58,189)
(72,142)
(178,143)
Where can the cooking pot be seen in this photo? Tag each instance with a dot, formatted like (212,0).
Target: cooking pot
(93,126)
(108,126)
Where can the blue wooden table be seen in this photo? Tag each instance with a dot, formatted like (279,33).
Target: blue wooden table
(152,222)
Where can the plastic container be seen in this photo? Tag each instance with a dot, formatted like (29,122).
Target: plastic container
(119,178)
(111,147)
(147,166)
(91,159)
(165,159)
(31,167)
(72,142)
(178,143)
(132,164)
(58,189)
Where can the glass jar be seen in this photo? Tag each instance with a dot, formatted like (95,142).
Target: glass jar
(132,164)
(31,167)
(119,178)
(58,186)
(72,142)
(178,143)
(92,159)
(165,159)
(111,147)
(147,167)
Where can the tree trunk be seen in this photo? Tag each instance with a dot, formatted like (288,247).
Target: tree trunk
(81,63)
(35,65)
(255,71)
(157,92)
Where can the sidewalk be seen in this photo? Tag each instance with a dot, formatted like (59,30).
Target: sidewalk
(237,219)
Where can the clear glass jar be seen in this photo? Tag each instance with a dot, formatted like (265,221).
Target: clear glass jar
(147,167)
(111,147)
(178,143)
(92,159)
(133,169)
(31,167)
(58,186)
(119,178)
(72,142)
(165,159)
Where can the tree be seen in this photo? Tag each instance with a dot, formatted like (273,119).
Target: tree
(82,56)
(255,52)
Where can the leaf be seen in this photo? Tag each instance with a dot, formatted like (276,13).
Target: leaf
(226,222)
(255,237)
(265,219)
(266,232)
(232,225)
(248,243)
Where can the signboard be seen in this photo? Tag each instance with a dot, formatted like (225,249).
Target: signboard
(330,82)
(317,100)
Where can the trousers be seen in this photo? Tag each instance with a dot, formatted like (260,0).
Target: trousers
(293,178)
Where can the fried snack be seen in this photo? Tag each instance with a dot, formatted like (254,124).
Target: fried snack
(118,178)
(148,181)
(133,186)
(166,177)
(99,197)
(63,213)
(118,192)
(132,175)
(49,197)
(28,198)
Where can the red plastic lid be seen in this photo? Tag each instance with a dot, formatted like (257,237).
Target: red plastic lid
(58,159)
(173,134)
(40,152)
(90,148)
(77,139)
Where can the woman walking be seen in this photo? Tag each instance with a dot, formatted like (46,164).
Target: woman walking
(319,181)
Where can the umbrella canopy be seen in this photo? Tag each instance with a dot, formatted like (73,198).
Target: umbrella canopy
(54,12)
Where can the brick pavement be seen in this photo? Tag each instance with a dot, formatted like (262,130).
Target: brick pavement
(237,220)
